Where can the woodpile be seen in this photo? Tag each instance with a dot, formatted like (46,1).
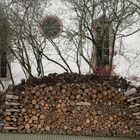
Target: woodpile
(11,109)
(134,104)
(2,109)
(72,104)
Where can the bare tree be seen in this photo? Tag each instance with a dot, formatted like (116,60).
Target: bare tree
(4,51)
(117,15)
(27,44)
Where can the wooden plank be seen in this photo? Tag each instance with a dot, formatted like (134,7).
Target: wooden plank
(10,128)
(11,103)
(130,92)
(136,114)
(135,105)
(129,100)
(11,96)
(138,117)
(83,103)
(12,110)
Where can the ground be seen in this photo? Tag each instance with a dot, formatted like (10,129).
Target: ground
(13,136)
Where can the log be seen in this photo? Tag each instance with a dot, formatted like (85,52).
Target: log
(135,105)
(27,126)
(83,103)
(138,117)
(34,101)
(134,98)
(12,103)
(12,110)
(11,96)
(10,128)
(42,116)
(136,114)
(130,92)
(34,118)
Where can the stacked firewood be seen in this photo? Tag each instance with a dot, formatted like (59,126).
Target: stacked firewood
(133,98)
(2,109)
(75,104)
(11,109)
